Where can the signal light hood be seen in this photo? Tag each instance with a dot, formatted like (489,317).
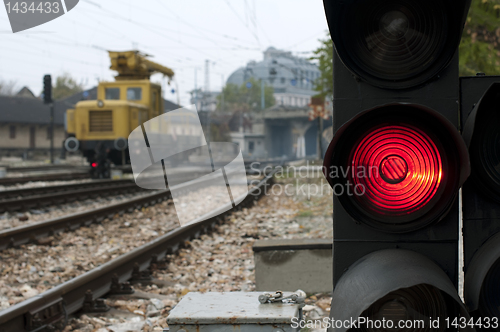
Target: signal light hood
(412,162)
(383,272)
(396,44)
(482,136)
(483,261)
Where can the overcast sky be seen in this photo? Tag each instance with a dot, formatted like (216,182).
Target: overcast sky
(179,34)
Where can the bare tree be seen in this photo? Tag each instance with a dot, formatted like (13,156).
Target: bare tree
(7,88)
(65,86)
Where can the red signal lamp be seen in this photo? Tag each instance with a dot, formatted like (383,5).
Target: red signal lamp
(94,165)
(406,169)
(402,163)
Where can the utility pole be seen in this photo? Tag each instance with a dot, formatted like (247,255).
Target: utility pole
(207,75)
(222,94)
(262,97)
(320,131)
(178,93)
(52,132)
(47,99)
(195,88)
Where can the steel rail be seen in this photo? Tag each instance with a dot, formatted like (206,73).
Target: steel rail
(42,168)
(39,231)
(37,201)
(44,177)
(23,192)
(36,313)
(34,232)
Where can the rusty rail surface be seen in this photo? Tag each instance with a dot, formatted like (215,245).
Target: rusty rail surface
(54,305)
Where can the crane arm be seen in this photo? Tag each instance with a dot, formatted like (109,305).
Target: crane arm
(132,65)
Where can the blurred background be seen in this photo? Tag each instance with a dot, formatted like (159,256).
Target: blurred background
(258,72)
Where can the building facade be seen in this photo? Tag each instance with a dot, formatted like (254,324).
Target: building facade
(291,77)
(25,122)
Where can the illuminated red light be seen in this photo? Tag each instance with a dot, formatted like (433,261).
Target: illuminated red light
(399,167)
(94,165)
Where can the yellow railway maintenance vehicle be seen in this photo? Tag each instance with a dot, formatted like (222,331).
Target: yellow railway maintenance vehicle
(100,128)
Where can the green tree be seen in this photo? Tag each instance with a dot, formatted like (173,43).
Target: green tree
(241,98)
(324,55)
(480,45)
(65,86)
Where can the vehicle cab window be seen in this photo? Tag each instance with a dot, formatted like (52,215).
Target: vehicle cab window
(112,94)
(134,94)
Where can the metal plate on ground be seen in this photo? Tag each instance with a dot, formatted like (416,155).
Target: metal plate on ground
(234,311)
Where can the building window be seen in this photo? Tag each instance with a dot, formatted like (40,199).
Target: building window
(112,94)
(12,132)
(251,146)
(134,94)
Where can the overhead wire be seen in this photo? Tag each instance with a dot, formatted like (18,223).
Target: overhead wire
(254,20)
(156,30)
(242,21)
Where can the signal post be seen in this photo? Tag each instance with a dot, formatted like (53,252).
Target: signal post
(480,97)
(47,99)
(398,146)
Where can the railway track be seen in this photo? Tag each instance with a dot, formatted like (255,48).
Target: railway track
(39,231)
(36,232)
(23,199)
(54,305)
(44,168)
(44,177)
(25,192)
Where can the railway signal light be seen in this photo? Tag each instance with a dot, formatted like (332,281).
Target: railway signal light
(481,196)
(397,161)
(47,89)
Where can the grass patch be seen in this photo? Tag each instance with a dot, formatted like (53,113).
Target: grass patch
(305,213)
